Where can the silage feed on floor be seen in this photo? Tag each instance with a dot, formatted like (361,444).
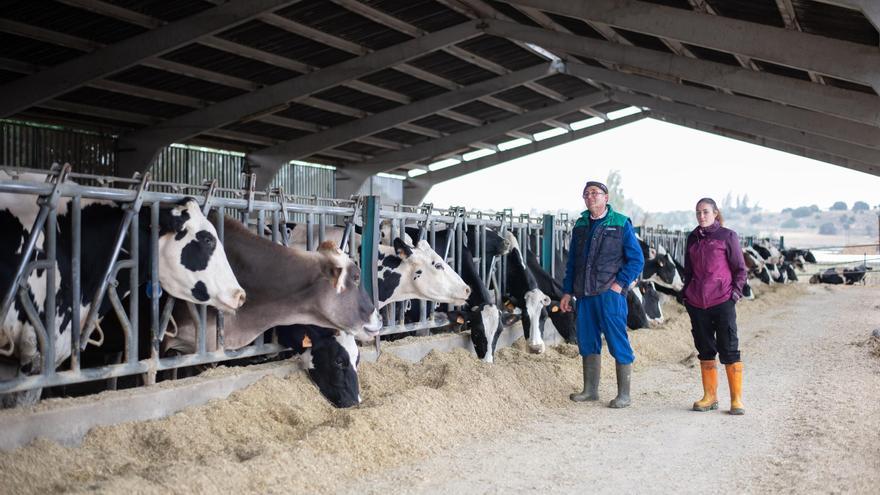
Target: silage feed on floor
(279,435)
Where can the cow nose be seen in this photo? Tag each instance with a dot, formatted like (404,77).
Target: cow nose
(238,298)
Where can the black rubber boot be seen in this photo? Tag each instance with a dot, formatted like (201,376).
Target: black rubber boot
(592,370)
(624,374)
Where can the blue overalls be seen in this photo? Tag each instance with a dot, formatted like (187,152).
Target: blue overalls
(603,312)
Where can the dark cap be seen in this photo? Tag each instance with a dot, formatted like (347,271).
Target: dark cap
(594,183)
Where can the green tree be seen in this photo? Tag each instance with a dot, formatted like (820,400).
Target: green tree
(860,206)
(838,206)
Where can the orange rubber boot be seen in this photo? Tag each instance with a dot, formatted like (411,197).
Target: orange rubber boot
(735,379)
(710,387)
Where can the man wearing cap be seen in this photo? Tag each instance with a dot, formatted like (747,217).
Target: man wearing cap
(604,259)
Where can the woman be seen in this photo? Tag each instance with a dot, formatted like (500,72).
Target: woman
(714,276)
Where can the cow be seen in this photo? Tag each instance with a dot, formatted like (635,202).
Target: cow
(660,268)
(643,306)
(563,321)
(798,257)
(407,272)
(523,292)
(286,286)
(768,252)
(829,276)
(192,267)
(330,358)
(756,266)
(856,274)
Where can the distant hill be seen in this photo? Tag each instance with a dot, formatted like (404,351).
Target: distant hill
(802,227)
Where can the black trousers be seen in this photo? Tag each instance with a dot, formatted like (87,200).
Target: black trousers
(714,331)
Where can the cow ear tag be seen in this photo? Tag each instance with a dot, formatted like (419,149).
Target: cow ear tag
(459,320)
(554,309)
(307,342)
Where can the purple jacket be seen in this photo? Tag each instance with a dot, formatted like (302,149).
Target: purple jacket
(714,269)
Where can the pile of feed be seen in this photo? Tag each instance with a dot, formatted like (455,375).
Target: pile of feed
(279,435)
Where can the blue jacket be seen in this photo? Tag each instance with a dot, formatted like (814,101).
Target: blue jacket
(614,255)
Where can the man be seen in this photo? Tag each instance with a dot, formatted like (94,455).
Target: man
(604,259)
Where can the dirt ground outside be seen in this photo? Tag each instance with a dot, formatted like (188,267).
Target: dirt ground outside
(452,424)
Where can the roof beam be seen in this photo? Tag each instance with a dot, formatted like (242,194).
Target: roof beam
(390,161)
(786,116)
(822,144)
(271,159)
(21,94)
(748,137)
(837,58)
(146,143)
(464,168)
(850,105)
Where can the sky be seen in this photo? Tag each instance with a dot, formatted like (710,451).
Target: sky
(664,167)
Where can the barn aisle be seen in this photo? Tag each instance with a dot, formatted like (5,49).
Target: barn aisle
(812,395)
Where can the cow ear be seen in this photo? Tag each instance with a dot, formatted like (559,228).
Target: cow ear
(172,220)
(329,247)
(401,248)
(652,253)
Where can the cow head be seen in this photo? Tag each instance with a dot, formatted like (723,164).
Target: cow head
(661,269)
(192,263)
(339,296)
(535,302)
(651,302)
(426,275)
(485,325)
(331,363)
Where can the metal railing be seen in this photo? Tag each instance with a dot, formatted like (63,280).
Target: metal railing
(264,212)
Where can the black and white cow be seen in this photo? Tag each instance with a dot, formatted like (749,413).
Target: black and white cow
(192,267)
(285,286)
(407,272)
(829,276)
(661,268)
(480,315)
(523,292)
(564,322)
(643,306)
(756,266)
(856,274)
(330,358)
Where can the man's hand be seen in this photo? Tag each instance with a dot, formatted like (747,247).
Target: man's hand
(565,303)
(616,287)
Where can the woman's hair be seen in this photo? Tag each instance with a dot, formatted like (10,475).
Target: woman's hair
(711,202)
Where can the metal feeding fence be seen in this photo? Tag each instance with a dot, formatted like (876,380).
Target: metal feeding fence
(675,241)
(267,213)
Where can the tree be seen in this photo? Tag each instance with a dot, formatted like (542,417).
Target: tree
(838,206)
(756,219)
(827,228)
(860,206)
(727,202)
(801,212)
(791,223)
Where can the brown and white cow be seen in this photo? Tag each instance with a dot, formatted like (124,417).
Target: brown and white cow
(285,286)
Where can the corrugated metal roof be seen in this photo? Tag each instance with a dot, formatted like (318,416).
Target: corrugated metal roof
(149,77)
(758,11)
(357,99)
(229,64)
(258,34)
(451,67)
(34,51)
(307,113)
(402,136)
(501,51)
(118,101)
(329,18)
(167,10)
(837,22)
(427,15)
(483,111)
(63,18)
(406,84)
(524,97)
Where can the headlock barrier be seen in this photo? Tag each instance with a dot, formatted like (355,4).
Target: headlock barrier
(55,359)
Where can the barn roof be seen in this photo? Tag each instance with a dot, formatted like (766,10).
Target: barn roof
(394,85)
